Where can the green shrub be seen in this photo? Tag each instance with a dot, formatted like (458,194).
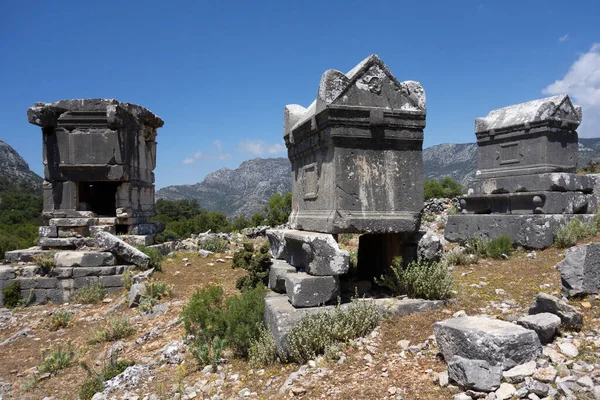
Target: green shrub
(427,217)
(569,233)
(44,261)
(155,257)
(313,335)
(56,358)
(262,350)
(146,304)
(94,382)
(498,246)
(114,329)
(158,289)
(90,294)
(446,188)
(256,263)
(418,279)
(452,210)
(278,209)
(90,387)
(58,320)
(214,244)
(11,294)
(478,246)
(217,322)
(460,258)
(127,279)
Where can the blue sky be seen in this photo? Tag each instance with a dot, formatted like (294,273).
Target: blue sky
(220,73)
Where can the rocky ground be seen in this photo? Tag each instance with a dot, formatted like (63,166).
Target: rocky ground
(399,360)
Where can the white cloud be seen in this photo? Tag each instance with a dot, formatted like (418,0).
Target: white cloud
(260,147)
(582,83)
(563,38)
(213,155)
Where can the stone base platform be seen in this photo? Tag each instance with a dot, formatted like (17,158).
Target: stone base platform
(530,231)
(281,316)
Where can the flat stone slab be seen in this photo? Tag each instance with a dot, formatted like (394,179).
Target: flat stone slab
(530,231)
(24,255)
(580,270)
(481,338)
(121,249)
(558,181)
(569,316)
(73,221)
(316,253)
(305,290)
(544,324)
(281,316)
(84,259)
(277,273)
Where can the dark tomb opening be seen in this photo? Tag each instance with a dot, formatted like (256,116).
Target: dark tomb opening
(98,197)
(376,251)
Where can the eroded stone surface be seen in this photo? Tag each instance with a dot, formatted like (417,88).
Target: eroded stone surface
(305,290)
(277,273)
(477,375)
(121,249)
(544,324)
(580,270)
(569,316)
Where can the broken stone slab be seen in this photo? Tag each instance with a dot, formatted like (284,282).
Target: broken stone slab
(530,231)
(305,290)
(277,273)
(281,316)
(477,375)
(83,259)
(558,182)
(7,273)
(121,249)
(24,255)
(569,316)
(316,253)
(64,243)
(138,240)
(518,373)
(481,338)
(544,324)
(580,270)
(92,271)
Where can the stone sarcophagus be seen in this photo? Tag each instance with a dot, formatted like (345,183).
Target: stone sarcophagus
(99,156)
(525,185)
(356,153)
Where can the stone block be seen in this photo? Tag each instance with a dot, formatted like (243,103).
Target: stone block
(79,272)
(122,250)
(111,281)
(25,255)
(30,270)
(144,229)
(7,273)
(530,231)
(102,228)
(138,240)
(62,272)
(78,283)
(316,253)
(551,182)
(121,269)
(84,259)
(38,283)
(72,222)
(580,270)
(48,231)
(305,290)
(166,248)
(544,324)
(569,316)
(57,243)
(277,273)
(530,203)
(480,338)
(476,375)
(73,231)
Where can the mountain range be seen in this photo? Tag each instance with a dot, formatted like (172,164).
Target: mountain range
(15,174)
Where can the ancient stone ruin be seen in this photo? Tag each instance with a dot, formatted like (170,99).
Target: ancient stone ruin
(98,158)
(357,167)
(526,184)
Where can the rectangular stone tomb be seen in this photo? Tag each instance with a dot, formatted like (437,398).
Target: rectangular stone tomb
(356,153)
(529,138)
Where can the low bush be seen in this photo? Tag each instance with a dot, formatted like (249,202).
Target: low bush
(460,258)
(569,233)
(418,279)
(11,294)
(58,320)
(155,257)
(262,350)
(446,188)
(158,289)
(478,246)
(44,261)
(214,244)
(314,335)
(217,322)
(56,358)
(257,263)
(90,294)
(94,383)
(499,246)
(127,279)
(114,329)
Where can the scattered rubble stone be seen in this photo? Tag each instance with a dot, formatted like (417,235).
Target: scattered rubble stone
(569,316)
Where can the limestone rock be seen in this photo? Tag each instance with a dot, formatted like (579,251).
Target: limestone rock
(580,270)
(477,375)
(121,249)
(518,373)
(505,391)
(137,291)
(277,273)
(430,247)
(83,259)
(317,253)
(305,290)
(569,316)
(480,338)
(544,324)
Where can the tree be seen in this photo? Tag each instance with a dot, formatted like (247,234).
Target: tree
(446,188)
(279,208)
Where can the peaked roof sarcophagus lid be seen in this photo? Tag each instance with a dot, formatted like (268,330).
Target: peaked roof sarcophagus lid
(356,153)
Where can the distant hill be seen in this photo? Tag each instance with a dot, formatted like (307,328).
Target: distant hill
(244,191)
(15,174)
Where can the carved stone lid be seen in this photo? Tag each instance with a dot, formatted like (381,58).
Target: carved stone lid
(370,84)
(551,109)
